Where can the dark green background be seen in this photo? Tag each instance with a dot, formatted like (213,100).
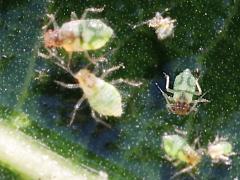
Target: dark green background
(207,36)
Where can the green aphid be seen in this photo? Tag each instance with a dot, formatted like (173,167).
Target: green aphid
(103,97)
(78,35)
(179,151)
(184,89)
(220,150)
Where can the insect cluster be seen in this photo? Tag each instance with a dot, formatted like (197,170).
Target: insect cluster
(82,35)
(179,151)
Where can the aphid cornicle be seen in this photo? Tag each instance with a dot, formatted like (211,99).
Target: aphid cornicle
(164,27)
(184,89)
(220,150)
(179,151)
(78,35)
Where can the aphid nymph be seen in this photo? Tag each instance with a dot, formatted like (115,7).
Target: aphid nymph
(78,35)
(220,150)
(103,97)
(164,26)
(179,151)
(184,89)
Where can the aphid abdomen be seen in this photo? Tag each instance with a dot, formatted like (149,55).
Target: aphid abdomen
(106,100)
(177,148)
(83,35)
(165,29)
(184,83)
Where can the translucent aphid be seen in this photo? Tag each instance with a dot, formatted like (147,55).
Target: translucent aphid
(220,150)
(184,89)
(179,151)
(164,27)
(78,35)
(103,97)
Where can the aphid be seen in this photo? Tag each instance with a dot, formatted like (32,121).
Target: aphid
(184,89)
(220,150)
(164,27)
(78,35)
(103,97)
(179,151)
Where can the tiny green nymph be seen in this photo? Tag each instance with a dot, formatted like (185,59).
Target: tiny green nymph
(184,89)
(179,151)
(220,150)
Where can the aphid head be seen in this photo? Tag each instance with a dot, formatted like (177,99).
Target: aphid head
(51,38)
(180,108)
(85,78)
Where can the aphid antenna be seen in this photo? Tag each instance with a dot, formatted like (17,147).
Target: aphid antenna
(185,170)
(51,20)
(98,120)
(59,63)
(93,10)
(201,97)
(163,12)
(159,88)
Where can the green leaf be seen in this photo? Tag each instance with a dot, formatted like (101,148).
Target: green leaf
(207,36)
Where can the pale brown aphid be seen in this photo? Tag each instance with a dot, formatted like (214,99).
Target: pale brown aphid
(164,26)
(220,150)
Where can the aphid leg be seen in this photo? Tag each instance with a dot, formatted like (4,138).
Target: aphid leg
(195,102)
(60,62)
(98,120)
(131,83)
(93,10)
(167,84)
(168,158)
(51,21)
(69,86)
(76,107)
(225,159)
(93,60)
(73,16)
(109,71)
(167,98)
(140,24)
(185,170)
(199,89)
(69,60)
(181,132)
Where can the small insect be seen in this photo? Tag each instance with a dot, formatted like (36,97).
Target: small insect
(220,150)
(103,97)
(184,89)
(179,151)
(78,35)
(164,27)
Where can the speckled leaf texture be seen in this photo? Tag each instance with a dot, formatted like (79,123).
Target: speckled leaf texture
(207,37)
